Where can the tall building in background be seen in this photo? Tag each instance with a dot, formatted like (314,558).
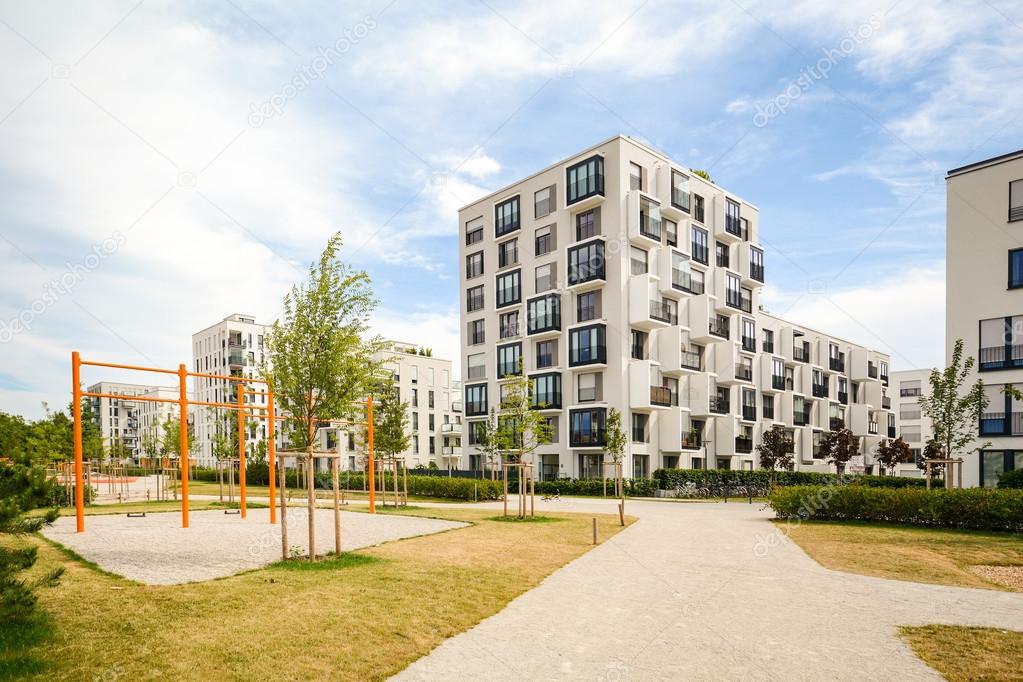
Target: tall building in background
(618,278)
(233,346)
(984,300)
(133,427)
(908,386)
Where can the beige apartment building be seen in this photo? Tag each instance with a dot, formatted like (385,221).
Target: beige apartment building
(618,278)
(908,386)
(984,300)
(130,422)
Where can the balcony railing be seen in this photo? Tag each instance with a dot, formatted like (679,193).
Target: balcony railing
(843,397)
(872,427)
(746,303)
(660,310)
(744,445)
(871,370)
(801,354)
(650,227)
(884,379)
(456,406)
(836,423)
(801,418)
(749,413)
(886,403)
(820,390)
(749,344)
(691,441)
(744,372)
(690,360)
(767,346)
(719,405)
(777,382)
(756,271)
(891,432)
(836,364)
(663,396)
(722,259)
(733,225)
(450,428)
(235,359)
(909,392)
(718,326)
(451,450)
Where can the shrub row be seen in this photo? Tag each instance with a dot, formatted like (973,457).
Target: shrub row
(970,508)
(669,479)
(592,487)
(1011,479)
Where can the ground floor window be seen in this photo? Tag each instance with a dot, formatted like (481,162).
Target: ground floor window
(475,462)
(549,468)
(993,463)
(698,463)
(640,466)
(589,466)
(724,463)
(671,461)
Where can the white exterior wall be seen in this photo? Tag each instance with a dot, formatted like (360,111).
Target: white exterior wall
(979,237)
(726,439)
(908,386)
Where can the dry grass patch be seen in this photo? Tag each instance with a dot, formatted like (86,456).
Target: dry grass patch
(965,653)
(366,615)
(925,555)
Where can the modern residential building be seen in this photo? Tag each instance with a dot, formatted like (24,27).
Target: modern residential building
(618,278)
(134,424)
(233,346)
(908,386)
(984,300)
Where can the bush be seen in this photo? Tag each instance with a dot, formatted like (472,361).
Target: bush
(1011,479)
(971,508)
(669,479)
(591,487)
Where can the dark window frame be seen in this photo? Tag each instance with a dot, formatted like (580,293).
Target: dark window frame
(499,290)
(594,181)
(502,225)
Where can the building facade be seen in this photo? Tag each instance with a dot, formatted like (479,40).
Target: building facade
(984,300)
(233,346)
(620,279)
(134,427)
(908,386)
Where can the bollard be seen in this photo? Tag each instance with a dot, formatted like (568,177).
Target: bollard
(594,530)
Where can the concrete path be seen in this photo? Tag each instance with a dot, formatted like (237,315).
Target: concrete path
(158,551)
(707,591)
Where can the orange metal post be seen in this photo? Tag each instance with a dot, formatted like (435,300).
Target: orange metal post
(76,412)
(241,448)
(183,406)
(272,453)
(371,464)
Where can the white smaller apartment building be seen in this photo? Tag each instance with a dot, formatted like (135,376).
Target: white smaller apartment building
(908,386)
(130,421)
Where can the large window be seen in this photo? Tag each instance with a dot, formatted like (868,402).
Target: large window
(1015,200)
(476,332)
(474,298)
(474,231)
(680,191)
(1015,268)
(543,202)
(477,366)
(546,277)
(476,399)
(506,217)
(698,207)
(587,224)
(547,391)
(545,241)
(756,264)
(587,306)
(589,387)
(508,325)
(586,262)
(587,428)
(585,179)
(635,176)
(474,265)
(638,259)
(509,289)
(699,249)
(546,353)
(680,272)
(733,295)
(586,346)
(544,314)
(732,223)
(508,253)
(509,360)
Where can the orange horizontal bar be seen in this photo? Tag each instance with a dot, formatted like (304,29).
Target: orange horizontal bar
(134,367)
(227,377)
(118,396)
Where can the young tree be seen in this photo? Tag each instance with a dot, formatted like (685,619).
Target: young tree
(390,420)
(488,441)
(954,408)
(521,427)
(317,362)
(614,447)
(775,451)
(839,447)
(170,439)
(889,453)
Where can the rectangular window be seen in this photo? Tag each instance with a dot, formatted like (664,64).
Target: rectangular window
(587,428)
(587,224)
(587,306)
(1015,268)
(635,176)
(474,265)
(544,202)
(590,387)
(509,360)
(639,260)
(508,324)
(544,314)
(546,353)
(721,254)
(585,179)
(474,231)
(508,253)
(547,391)
(586,263)
(698,208)
(544,242)
(681,274)
(1016,200)
(586,346)
(474,298)
(756,264)
(749,335)
(506,217)
(638,345)
(430,402)
(639,427)
(680,191)
(546,277)
(732,223)
(476,399)
(476,332)
(670,232)
(733,295)
(477,366)
(699,242)
(509,289)
(767,406)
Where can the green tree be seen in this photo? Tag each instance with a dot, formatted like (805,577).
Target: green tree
(775,451)
(614,446)
(488,441)
(702,173)
(170,438)
(390,420)
(953,407)
(892,452)
(521,428)
(838,447)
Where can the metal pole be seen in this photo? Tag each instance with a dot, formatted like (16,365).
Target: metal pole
(241,448)
(76,410)
(372,463)
(183,434)
(271,453)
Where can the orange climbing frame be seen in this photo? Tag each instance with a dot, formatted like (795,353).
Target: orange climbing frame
(183,403)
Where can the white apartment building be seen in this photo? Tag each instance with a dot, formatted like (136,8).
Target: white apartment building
(908,386)
(620,279)
(984,300)
(233,346)
(130,421)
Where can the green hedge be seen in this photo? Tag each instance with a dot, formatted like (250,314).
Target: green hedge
(669,479)
(1011,479)
(592,487)
(970,508)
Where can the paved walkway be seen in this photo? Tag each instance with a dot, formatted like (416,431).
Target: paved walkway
(707,591)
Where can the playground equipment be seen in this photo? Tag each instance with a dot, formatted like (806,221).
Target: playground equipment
(951,466)
(527,480)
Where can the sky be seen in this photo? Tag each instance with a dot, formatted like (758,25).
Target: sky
(165,164)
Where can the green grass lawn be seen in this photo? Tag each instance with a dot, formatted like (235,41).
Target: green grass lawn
(927,555)
(965,653)
(366,615)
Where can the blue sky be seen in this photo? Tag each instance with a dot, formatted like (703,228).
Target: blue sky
(165,164)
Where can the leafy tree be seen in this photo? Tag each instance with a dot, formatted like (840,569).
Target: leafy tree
(22,488)
(890,453)
(390,420)
(839,447)
(488,442)
(170,438)
(954,408)
(775,451)
(614,445)
(149,443)
(521,428)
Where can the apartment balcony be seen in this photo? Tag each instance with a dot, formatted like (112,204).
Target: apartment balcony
(801,417)
(691,441)
(749,413)
(843,397)
(451,428)
(662,396)
(836,423)
(719,404)
(777,383)
(743,445)
(719,326)
(451,451)
(236,359)
(872,427)
(837,364)
(663,311)
(820,391)
(767,347)
(744,372)
(734,230)
(691,360)
(800,353)
(756,272)
(644,219)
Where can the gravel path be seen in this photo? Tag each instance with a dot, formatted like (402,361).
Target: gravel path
(158,551)
(707,591)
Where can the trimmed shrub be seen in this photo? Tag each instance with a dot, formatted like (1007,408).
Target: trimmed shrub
(593,487)
(971,508)
(669,479)
(1011,479)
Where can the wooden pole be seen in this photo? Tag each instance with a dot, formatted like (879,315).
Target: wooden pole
(334,465)
(241,449)
(271,453)
(371,462)
(505,469)
(76,411)
(183,436)
(312,479)
(594,530)
(284,512)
